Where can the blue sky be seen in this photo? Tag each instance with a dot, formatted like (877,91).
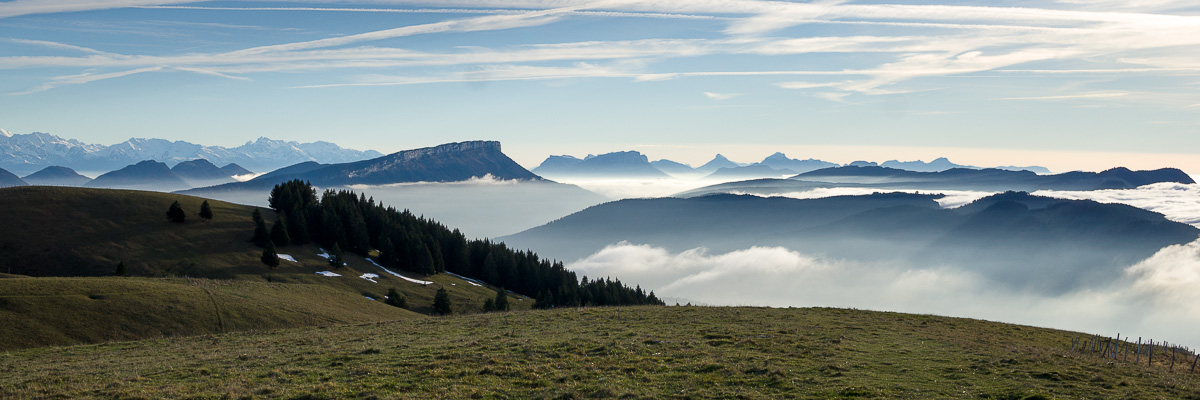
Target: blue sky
(1069,84)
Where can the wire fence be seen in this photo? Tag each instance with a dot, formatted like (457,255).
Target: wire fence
(1152,353)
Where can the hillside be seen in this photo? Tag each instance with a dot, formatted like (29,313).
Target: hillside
(64,311)
(83,232)
(638,352)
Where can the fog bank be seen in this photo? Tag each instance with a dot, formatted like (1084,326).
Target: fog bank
(1154,298)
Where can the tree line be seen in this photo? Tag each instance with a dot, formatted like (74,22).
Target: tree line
(353,223)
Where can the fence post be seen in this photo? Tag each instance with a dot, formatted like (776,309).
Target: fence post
(1194,364)
(1150,354)
(1126,357)
(1138,359)
(1118,348)
(1074,341)
(1172,368)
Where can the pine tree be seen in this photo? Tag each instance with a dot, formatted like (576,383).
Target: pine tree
(489,305)
(206,211)
(394,298)
(501,302)
(279,232)
(441,302)
(175,213)
(269,256)
(261,235)
(120,269)
(336,259)
(388,256)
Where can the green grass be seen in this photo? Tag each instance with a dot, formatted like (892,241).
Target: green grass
(63,311)
(637,352)
(79,232)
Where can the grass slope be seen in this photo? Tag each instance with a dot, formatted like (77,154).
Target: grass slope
(62,231)
(63,311)
(636,352)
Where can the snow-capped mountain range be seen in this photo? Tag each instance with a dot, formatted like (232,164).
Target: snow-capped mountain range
(26,153)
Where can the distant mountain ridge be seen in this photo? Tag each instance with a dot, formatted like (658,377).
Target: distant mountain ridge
(451,162)
(992,180)
(8,179)
(628,164)
(145,175)
(57,176)
(26,153)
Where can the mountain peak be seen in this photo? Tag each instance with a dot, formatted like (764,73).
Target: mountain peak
(5,133)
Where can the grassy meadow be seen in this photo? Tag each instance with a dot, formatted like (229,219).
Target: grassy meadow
(631,352)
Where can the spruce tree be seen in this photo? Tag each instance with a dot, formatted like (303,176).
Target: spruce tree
(336,259)
(261,235)
(269,256)
(206,211)
(279,232)
(501,302)
(175,213)
(120,269)
(441,302)
(394,298)
(489,305)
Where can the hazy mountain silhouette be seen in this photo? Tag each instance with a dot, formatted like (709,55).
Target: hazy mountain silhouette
(9,179)
(937,165)
(145,175)
(451,162)
(754,171)
(233,169)
(780,161)
(622,164)
(993,180)
(717,162)
(1013,238)
(57,176)
(675,168)
(199,169)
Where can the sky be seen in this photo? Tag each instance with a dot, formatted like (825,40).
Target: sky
(1066,84)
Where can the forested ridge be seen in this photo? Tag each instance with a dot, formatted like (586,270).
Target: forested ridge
(354,223)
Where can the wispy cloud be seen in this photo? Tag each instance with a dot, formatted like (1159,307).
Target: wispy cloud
(721,96)
(913,42)
(1102,95)
(83,78)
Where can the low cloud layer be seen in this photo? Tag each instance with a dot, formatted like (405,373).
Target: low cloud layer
(1154,298)
(1178,202)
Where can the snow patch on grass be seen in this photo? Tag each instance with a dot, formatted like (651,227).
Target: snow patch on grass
(469,280)
(370,277)
(288,257)
(417,281)
(330,274)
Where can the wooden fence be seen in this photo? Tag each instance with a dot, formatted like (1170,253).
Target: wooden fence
(1147,351)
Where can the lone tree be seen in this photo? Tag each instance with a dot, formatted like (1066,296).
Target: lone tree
(394,298)
(501,302)
(205,211)
(279,232)
(175,213)
(441,302)
(261,234)
(120,269)
(336,259)
(269,256)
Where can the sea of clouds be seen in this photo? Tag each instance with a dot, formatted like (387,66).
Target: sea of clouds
(1155,298)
